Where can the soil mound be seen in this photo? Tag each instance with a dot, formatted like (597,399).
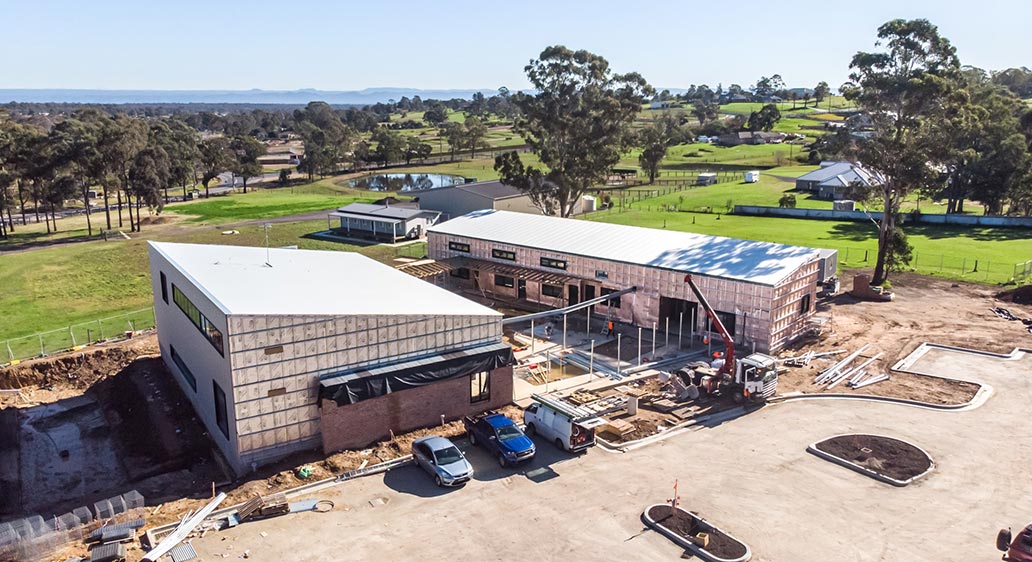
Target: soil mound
(74,370)
(1021,295)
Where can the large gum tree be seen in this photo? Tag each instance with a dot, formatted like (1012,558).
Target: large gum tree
(578,123)
(906,88)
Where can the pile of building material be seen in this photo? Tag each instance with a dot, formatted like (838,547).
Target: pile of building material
(854,376)
(805,359)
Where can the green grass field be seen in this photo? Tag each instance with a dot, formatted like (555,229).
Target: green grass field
(695,156)
(717,197)
(52,288)
(265,204)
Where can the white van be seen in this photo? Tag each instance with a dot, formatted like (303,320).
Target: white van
(568,427)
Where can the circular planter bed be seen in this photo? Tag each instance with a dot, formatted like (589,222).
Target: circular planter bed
(883,458)
(682,527)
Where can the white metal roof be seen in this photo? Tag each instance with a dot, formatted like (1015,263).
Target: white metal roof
(308,282)
(763,263)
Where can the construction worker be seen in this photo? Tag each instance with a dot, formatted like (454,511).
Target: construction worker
(718,360)
(609,326)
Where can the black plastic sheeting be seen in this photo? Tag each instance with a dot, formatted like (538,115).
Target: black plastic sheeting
(363,387)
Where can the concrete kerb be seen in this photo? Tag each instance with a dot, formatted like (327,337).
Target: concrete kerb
(812,448)
(903,365)
(985,390)
(689,545)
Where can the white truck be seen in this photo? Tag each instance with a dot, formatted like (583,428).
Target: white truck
(570,428)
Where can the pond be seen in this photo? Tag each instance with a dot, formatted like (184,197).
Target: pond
(405,182)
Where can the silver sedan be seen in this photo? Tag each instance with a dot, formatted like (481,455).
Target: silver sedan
(442,460)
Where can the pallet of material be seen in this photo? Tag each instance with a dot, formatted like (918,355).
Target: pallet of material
(580,398)
(665,405)
(631,391)
(606,405)
(619,427)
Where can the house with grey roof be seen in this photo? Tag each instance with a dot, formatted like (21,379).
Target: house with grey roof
(837,180)
(383,222)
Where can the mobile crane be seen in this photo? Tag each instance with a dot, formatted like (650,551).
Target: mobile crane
(753,378)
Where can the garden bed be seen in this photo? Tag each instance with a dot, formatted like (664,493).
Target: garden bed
(884,458)
(681,526)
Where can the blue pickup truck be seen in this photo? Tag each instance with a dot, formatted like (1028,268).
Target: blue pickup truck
(500,436)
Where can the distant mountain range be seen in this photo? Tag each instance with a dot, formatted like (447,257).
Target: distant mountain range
(367,96)
(291,97)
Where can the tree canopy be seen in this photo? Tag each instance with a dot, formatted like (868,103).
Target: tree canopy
(578,123)
(906,88)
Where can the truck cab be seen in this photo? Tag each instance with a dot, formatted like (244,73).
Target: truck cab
(1015,549)
(501,437)
(757,374)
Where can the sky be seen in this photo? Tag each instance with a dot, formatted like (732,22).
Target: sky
(443,44)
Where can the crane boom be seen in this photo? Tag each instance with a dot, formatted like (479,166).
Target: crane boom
(729,342)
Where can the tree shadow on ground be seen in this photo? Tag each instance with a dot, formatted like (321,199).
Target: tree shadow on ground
(862,231)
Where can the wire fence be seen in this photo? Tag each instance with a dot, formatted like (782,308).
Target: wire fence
(63,339)
(967,268)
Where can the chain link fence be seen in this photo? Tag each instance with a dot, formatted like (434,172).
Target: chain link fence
(62,339)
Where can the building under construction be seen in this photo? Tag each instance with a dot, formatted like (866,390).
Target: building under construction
(763,292)
(284,350)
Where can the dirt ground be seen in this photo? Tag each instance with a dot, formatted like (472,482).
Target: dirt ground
(925,310)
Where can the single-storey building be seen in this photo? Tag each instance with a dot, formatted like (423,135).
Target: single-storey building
(285,350)
(383,222)
(751,137)
(836,180)
(462,199)
(763,292)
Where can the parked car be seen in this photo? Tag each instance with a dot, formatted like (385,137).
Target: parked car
(569,431)
(442,460)
(500,436)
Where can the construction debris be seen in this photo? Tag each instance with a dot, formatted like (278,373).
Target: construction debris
(184,529)
(1008,315)
(805,359)
(854,377)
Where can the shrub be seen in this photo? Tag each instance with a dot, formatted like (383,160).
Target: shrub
(787,201)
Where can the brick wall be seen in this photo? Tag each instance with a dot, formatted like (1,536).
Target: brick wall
(357,425)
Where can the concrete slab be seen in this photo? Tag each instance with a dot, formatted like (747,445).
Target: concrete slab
(750,474)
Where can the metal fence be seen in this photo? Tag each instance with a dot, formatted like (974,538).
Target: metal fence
(35,537)
(968,268)
(62,339)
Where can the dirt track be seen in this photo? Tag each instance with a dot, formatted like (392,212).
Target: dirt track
(925,309)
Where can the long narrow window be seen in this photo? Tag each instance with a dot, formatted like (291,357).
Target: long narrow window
(804,305)
(183,369)
(503,254)
(553,263)
(479,387)
(458,246)
(203,324)
(164,287)
(221,417)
